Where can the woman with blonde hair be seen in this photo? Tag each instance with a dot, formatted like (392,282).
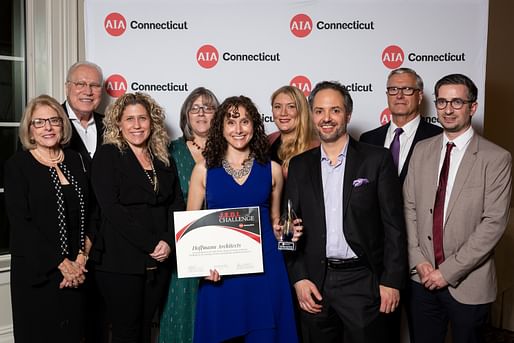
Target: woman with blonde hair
(295,130)
(137,188)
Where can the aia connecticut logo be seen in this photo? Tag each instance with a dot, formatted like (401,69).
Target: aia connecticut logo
(115,24)
(115,85)
(385,116)
(302,83)
(392,56)
(301,25)
(207,56)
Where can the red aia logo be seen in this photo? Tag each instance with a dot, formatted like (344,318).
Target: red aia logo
(115,85)
(115,24)
(301,25)
(207,56)
(302,83)
(385,116)
(392,56)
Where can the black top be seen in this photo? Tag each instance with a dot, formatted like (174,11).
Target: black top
(31,204)
(134,217)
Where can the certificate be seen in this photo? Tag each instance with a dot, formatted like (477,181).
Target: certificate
(228,240)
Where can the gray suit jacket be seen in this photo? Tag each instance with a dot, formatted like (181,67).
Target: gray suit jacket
(476,216)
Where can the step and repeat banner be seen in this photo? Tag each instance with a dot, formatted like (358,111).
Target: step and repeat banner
(252,47)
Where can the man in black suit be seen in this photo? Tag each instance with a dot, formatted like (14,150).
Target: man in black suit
(84,83)
(404,97)
(351,260)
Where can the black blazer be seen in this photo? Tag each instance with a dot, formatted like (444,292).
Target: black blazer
(31,205)
(76,142)
(377,137)
(134,217)
(373,218)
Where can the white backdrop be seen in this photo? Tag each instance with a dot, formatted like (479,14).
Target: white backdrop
(168,48)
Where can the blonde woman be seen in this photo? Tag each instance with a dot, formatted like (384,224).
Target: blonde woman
(295,130)
(137,188)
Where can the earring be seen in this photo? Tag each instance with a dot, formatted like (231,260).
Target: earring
(32,140)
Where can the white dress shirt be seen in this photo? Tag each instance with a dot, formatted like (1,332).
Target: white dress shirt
(461,144)
(406,139)
(87,134)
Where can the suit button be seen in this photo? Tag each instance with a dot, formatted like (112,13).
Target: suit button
(323,261)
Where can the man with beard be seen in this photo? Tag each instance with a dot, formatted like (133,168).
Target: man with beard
(351,260)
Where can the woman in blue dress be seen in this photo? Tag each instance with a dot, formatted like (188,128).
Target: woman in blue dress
(237,173)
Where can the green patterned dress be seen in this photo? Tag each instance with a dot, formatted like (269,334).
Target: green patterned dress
(177,320)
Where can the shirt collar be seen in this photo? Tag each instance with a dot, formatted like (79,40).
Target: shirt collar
(73,116)
(409,129)
(340,156)
(462,141)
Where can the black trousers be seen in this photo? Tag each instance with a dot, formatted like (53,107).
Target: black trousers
(350,314)
(132,301)
(431,311)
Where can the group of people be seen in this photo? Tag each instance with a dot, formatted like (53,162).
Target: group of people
(91,198)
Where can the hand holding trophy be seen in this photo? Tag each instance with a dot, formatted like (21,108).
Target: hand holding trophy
(287,223)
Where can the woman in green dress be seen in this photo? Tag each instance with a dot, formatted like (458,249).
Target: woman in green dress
(177,320)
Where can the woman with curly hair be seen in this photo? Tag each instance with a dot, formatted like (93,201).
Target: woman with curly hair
(137,188)
(295,130)
(238,173)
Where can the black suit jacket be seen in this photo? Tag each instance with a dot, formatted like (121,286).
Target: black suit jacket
(31,205)
(76,142)
(134,217)
(377,137)
(373,218)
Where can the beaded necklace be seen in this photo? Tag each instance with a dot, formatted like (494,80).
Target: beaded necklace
(238,173)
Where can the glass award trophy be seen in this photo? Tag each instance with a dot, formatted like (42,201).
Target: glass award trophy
(287,222)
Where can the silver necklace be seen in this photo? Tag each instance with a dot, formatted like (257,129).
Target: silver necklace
(238,173)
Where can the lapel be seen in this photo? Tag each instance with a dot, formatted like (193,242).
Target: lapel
(432,155)
(468,160)
(353,161)
(317,181)
(99,128)
(419,135)
(135,172)
(382,133)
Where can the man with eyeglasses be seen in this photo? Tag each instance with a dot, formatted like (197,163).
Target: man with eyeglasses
(404,98)
(84,84)
(457,195)
(406,128)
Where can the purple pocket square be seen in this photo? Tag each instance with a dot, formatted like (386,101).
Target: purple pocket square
(360,182)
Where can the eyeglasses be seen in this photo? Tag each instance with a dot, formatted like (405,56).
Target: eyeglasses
(206,109)
(39,123)
(81,85)
(408,91)
(456,103)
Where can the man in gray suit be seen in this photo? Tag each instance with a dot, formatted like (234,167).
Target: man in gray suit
(457,196)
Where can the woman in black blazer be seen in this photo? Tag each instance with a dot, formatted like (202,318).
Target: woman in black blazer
(46,193)
(137,188)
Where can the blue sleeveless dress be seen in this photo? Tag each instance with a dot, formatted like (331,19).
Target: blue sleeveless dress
(251,304)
